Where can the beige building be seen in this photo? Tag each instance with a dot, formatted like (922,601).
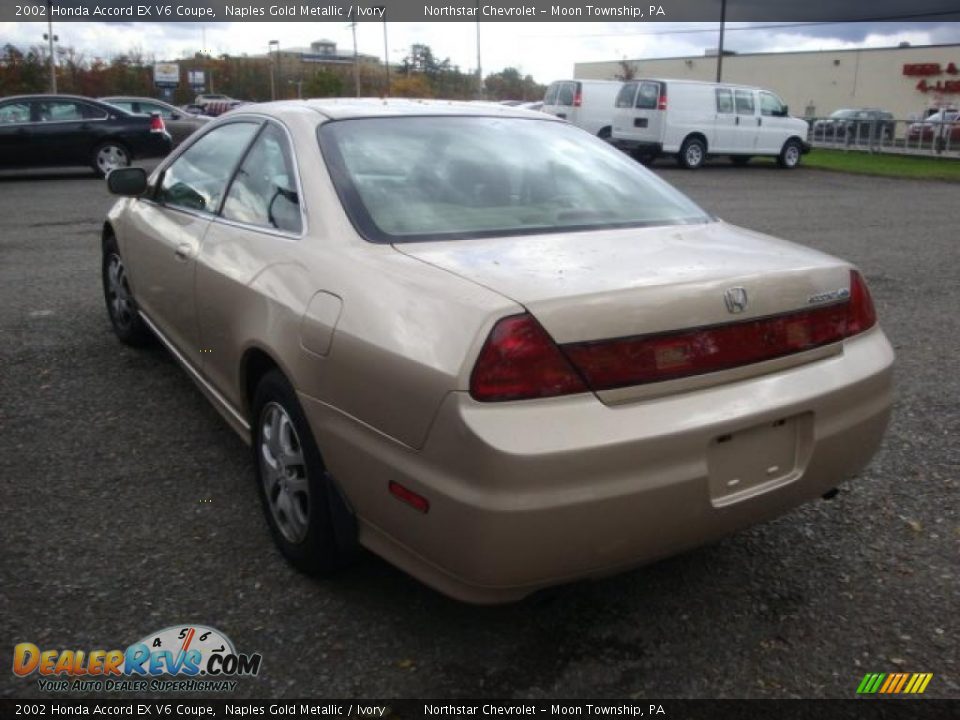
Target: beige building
(904,80)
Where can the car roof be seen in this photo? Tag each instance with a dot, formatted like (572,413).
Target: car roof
(45,96)
(344,108)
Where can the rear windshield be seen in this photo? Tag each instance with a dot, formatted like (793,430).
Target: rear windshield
(446,178)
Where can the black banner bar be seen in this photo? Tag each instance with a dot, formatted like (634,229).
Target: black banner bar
(165,707)
(642,11)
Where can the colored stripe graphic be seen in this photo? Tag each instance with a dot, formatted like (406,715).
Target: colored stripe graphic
(894,683)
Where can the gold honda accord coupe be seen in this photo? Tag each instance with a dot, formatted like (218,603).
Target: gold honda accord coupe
(487,346)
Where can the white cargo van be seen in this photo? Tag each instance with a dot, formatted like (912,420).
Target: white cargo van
(693,119)
(588,104)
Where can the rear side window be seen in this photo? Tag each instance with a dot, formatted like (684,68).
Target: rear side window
(551,97)
(648,95)
(67,110)
(14,112)
(724,101)
(264,191)
(744,100)
(566,93)
(626,95)
(197,179)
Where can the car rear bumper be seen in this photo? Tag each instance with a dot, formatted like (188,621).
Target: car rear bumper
(530,494)
(154,144)
(638,146)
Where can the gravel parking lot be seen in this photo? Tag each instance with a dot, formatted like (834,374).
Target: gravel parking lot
(129,506)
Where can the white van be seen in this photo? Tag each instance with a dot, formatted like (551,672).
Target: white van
(588,104)
(695,119)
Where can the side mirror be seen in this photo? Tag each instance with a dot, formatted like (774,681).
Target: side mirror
(128,181)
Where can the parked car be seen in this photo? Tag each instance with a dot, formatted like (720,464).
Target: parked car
(64,130)
(538,105)
(488,346)
(214,104)
(856,124)
(179,123)
(943,124)
(693,120)
(588,104)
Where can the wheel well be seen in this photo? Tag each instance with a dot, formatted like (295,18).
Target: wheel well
(605,132)
(111,140)
(695,135)
(255,364)
(793,137)
(106,233)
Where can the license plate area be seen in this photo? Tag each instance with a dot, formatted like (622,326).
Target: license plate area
(749,462)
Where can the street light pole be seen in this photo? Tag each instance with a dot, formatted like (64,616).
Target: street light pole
(51,38)
(386,56)
(479,71)
(356,66)
(273,70)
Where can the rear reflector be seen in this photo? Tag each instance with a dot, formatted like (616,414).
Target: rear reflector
(417,502)
(608,364)
(520,360)
(156,124)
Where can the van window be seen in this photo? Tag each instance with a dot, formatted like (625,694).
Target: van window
(744,102)
(551,97)
(770,104)
(626,94)
(648,96)
(724,101)
(565,94)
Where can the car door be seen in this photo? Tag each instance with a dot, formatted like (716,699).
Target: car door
(67,131)
(165,231)
(775,126)
(16,134)
(249,247)
(748,122)
(726,128)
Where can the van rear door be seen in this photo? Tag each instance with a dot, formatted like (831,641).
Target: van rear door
(639,113)
(562,100)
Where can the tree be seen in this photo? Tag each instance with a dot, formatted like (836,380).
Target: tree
(628,70)
(508,84)
(412,86)
(323,83)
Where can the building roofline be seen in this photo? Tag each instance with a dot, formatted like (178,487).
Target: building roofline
(788,52)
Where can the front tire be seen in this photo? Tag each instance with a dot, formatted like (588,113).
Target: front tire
(693,153)
(109,156)
(789,156)
(121,305)
(309,520)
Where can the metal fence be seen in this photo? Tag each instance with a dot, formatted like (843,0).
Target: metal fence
(935,137)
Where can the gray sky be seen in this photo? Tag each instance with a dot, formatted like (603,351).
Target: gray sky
(545,50)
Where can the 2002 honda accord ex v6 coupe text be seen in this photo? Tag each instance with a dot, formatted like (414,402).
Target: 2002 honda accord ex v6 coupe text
(487,346)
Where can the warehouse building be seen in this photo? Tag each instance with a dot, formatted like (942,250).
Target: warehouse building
(905,80)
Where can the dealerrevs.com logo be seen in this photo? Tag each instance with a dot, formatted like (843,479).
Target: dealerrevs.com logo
(199,657)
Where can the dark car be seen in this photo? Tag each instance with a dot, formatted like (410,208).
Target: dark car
(853,124)
(62,130)
(180,123)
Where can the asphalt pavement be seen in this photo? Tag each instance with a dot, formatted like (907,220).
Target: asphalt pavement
(128,505)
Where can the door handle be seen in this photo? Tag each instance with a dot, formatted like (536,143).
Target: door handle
(760,121)
(183,251)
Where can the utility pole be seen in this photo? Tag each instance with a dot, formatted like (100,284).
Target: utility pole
(386,56)
(356,65)
(51,37)
(723,21)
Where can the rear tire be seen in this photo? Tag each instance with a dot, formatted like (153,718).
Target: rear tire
(693,153)
(109,156)
(308,518)
(121,305)
(605,134)
(740,160)
(789,156)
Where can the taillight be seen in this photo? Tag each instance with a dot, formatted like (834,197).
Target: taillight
(156,124)
(662,100)
(608,364)
(862,315)
(519,360)
(578,98)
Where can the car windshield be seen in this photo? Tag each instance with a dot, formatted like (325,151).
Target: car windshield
(843,113)
(443,178)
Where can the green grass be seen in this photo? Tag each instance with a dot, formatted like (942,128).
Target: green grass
(898,166)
